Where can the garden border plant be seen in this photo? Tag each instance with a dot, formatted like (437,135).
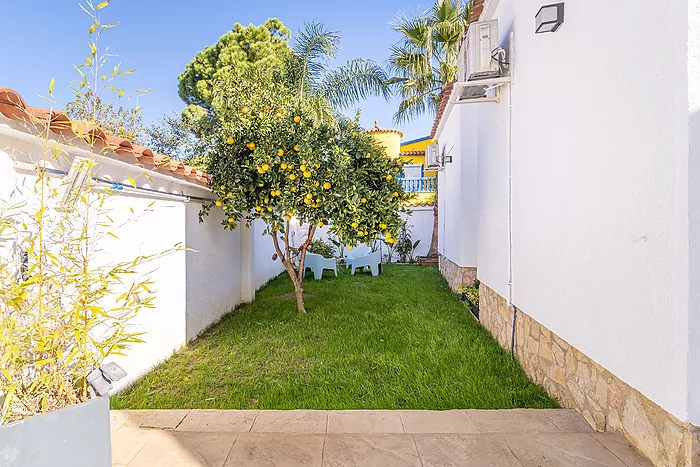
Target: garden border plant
(61,313)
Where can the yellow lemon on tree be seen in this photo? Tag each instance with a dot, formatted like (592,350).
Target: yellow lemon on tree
(251,146)
(230,220)
(364,200)
(223,187)
(368,155)
(261,184)
(326,186)
(244,110)
(229,140)
(317,165)
(218,203)
(287,217)
(320,224)
(266,167)
(297,119)
(383,226)
(269,208)
(307,174)
(302,168)
(261,170)
(296,148)
(349,247)
(354,134)
(309,195)
(292,177)
(389,177)
(354,225)
(258,208)
(307,201)
(294,188)
(280,152)
(283,165)
(396,194)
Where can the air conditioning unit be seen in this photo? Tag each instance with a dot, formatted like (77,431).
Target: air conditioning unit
(482,42)
(432,156)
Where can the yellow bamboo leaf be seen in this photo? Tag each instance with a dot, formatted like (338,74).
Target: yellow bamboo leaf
(53,81)
(102,5)
(44,361)
(92,28)
(132,182)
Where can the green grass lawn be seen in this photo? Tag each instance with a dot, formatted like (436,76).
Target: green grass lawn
(398,341)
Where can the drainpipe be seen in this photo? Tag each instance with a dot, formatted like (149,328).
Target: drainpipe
(510,209)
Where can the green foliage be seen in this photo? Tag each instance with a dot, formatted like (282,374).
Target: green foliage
(426,58)
(325,249)
(115,120)
(471,291)
(405,247)
(272,160)
(63,311)
(262,47)
(409,345)
(174,136)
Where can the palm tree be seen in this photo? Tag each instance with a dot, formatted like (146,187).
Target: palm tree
(424,62)
(331,89)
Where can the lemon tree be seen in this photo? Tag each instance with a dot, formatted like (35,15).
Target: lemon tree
(271,160)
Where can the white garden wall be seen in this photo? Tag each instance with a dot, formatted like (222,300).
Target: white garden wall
(603,151)
(194,288)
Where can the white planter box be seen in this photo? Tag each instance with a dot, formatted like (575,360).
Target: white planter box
(76,436)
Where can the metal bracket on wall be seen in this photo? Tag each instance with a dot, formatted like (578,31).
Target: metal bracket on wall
(474,92)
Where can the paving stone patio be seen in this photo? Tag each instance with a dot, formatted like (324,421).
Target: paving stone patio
(382,438)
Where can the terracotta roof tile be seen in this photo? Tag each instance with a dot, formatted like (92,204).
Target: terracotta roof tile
(14,107)
(444,99)
(415,152)
(378,129)
(477,7)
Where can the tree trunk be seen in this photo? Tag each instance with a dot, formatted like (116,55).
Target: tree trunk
(433,251)
(297,276)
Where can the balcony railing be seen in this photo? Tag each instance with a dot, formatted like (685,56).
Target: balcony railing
(418,185)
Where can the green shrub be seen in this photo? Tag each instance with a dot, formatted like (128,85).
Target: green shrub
(325,249)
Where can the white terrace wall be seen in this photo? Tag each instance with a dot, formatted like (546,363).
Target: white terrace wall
(600,135)
(193,289)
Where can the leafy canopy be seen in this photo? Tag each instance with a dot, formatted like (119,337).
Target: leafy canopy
(425,59)
(243,47)
(272,159)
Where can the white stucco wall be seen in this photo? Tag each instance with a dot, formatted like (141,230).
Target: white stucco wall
(192,289)
(604,155)
(420,221)
(457,186)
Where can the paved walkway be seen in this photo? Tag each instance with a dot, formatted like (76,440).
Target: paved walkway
(380,438)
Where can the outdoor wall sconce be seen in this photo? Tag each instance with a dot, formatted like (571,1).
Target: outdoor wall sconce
(549,18)
(101,379)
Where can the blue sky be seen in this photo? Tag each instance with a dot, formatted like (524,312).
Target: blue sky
(41,39)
